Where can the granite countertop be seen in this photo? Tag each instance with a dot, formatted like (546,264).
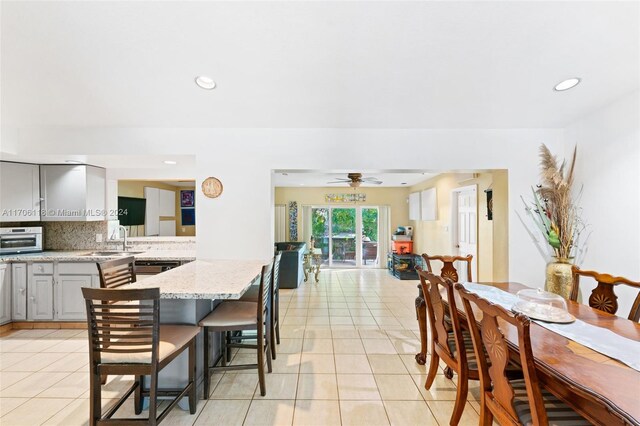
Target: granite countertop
(204,279)
(80,256)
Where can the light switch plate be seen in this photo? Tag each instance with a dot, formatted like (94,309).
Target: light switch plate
(98,238)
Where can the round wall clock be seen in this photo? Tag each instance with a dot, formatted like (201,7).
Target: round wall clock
(212,187)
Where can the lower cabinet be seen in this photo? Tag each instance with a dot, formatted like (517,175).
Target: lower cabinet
(40,305)
(48,291)
(19,291)
(5,293)
(69,302)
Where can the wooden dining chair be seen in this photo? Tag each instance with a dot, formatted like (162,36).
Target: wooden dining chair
(603,296)
(448,270)
(252,294)
(236,315)
(448,342)
(510,402)
(127,339)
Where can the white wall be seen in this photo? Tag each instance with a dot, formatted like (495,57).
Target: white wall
(609,168)
(239,223)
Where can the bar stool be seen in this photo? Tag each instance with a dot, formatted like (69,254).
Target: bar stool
(235,315)
(128,339)
(113,274)
(274,302)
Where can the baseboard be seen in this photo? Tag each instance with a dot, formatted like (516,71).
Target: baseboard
(32,325)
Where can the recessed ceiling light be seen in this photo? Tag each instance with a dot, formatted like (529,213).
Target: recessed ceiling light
(73,161)
(566,84)
(403,183)
(170,162)
(205,82)
(302,184)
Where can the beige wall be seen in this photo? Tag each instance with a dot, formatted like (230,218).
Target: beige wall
(135,188)
(395,198)
(434,237)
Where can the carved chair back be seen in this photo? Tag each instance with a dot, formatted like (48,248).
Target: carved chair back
(442,341)
(448,269)
(497,393)
(603,296)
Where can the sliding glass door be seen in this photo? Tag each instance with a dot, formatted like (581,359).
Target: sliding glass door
(347,236)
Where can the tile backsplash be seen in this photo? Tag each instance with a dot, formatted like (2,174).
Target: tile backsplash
(74,235)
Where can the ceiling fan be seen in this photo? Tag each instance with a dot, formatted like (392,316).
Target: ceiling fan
(355,180)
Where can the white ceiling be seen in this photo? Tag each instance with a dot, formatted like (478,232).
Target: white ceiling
(320,179)
(314,64)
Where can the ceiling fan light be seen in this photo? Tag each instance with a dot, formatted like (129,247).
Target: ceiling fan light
(354,184)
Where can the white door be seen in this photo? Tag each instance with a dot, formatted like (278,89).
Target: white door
(466,230)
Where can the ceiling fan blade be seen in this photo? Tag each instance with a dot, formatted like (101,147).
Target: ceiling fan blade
(340,181)
(375,182)
(370,179)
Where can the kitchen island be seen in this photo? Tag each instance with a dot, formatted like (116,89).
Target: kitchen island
(188,293)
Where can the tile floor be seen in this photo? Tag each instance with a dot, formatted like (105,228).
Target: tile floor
(346,357)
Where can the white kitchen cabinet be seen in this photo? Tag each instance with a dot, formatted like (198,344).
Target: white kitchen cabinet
(40,303)
(73,193)
(160,203)
(71,278)
(19,192)
(19,291)
(167,203)
(5,293)
(152,212)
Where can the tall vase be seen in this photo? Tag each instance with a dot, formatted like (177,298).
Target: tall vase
(559,278)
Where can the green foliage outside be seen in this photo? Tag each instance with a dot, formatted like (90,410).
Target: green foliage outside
(343,222)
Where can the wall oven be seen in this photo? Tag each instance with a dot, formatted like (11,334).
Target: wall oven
(20,240)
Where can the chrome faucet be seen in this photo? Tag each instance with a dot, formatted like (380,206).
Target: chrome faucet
(126,234)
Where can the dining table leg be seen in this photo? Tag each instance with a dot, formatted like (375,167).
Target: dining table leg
(421,315)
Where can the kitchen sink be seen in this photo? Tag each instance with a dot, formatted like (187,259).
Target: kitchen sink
(112,253)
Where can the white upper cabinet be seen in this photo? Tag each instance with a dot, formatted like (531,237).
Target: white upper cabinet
(167,203)
(19,192)
(73,193)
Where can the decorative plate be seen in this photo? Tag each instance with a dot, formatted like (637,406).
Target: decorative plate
(212,187)
(544,313)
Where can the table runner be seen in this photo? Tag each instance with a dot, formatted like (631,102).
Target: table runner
(599,339)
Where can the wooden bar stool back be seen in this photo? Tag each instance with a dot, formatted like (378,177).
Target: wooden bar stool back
(603,296)
(237,315)
(448,342)
(275,304)
(117,272)
(127,339)
(511,402)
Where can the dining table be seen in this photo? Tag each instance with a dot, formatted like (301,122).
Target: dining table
(600,388)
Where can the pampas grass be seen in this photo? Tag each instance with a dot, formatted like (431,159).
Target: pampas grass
(554,209)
